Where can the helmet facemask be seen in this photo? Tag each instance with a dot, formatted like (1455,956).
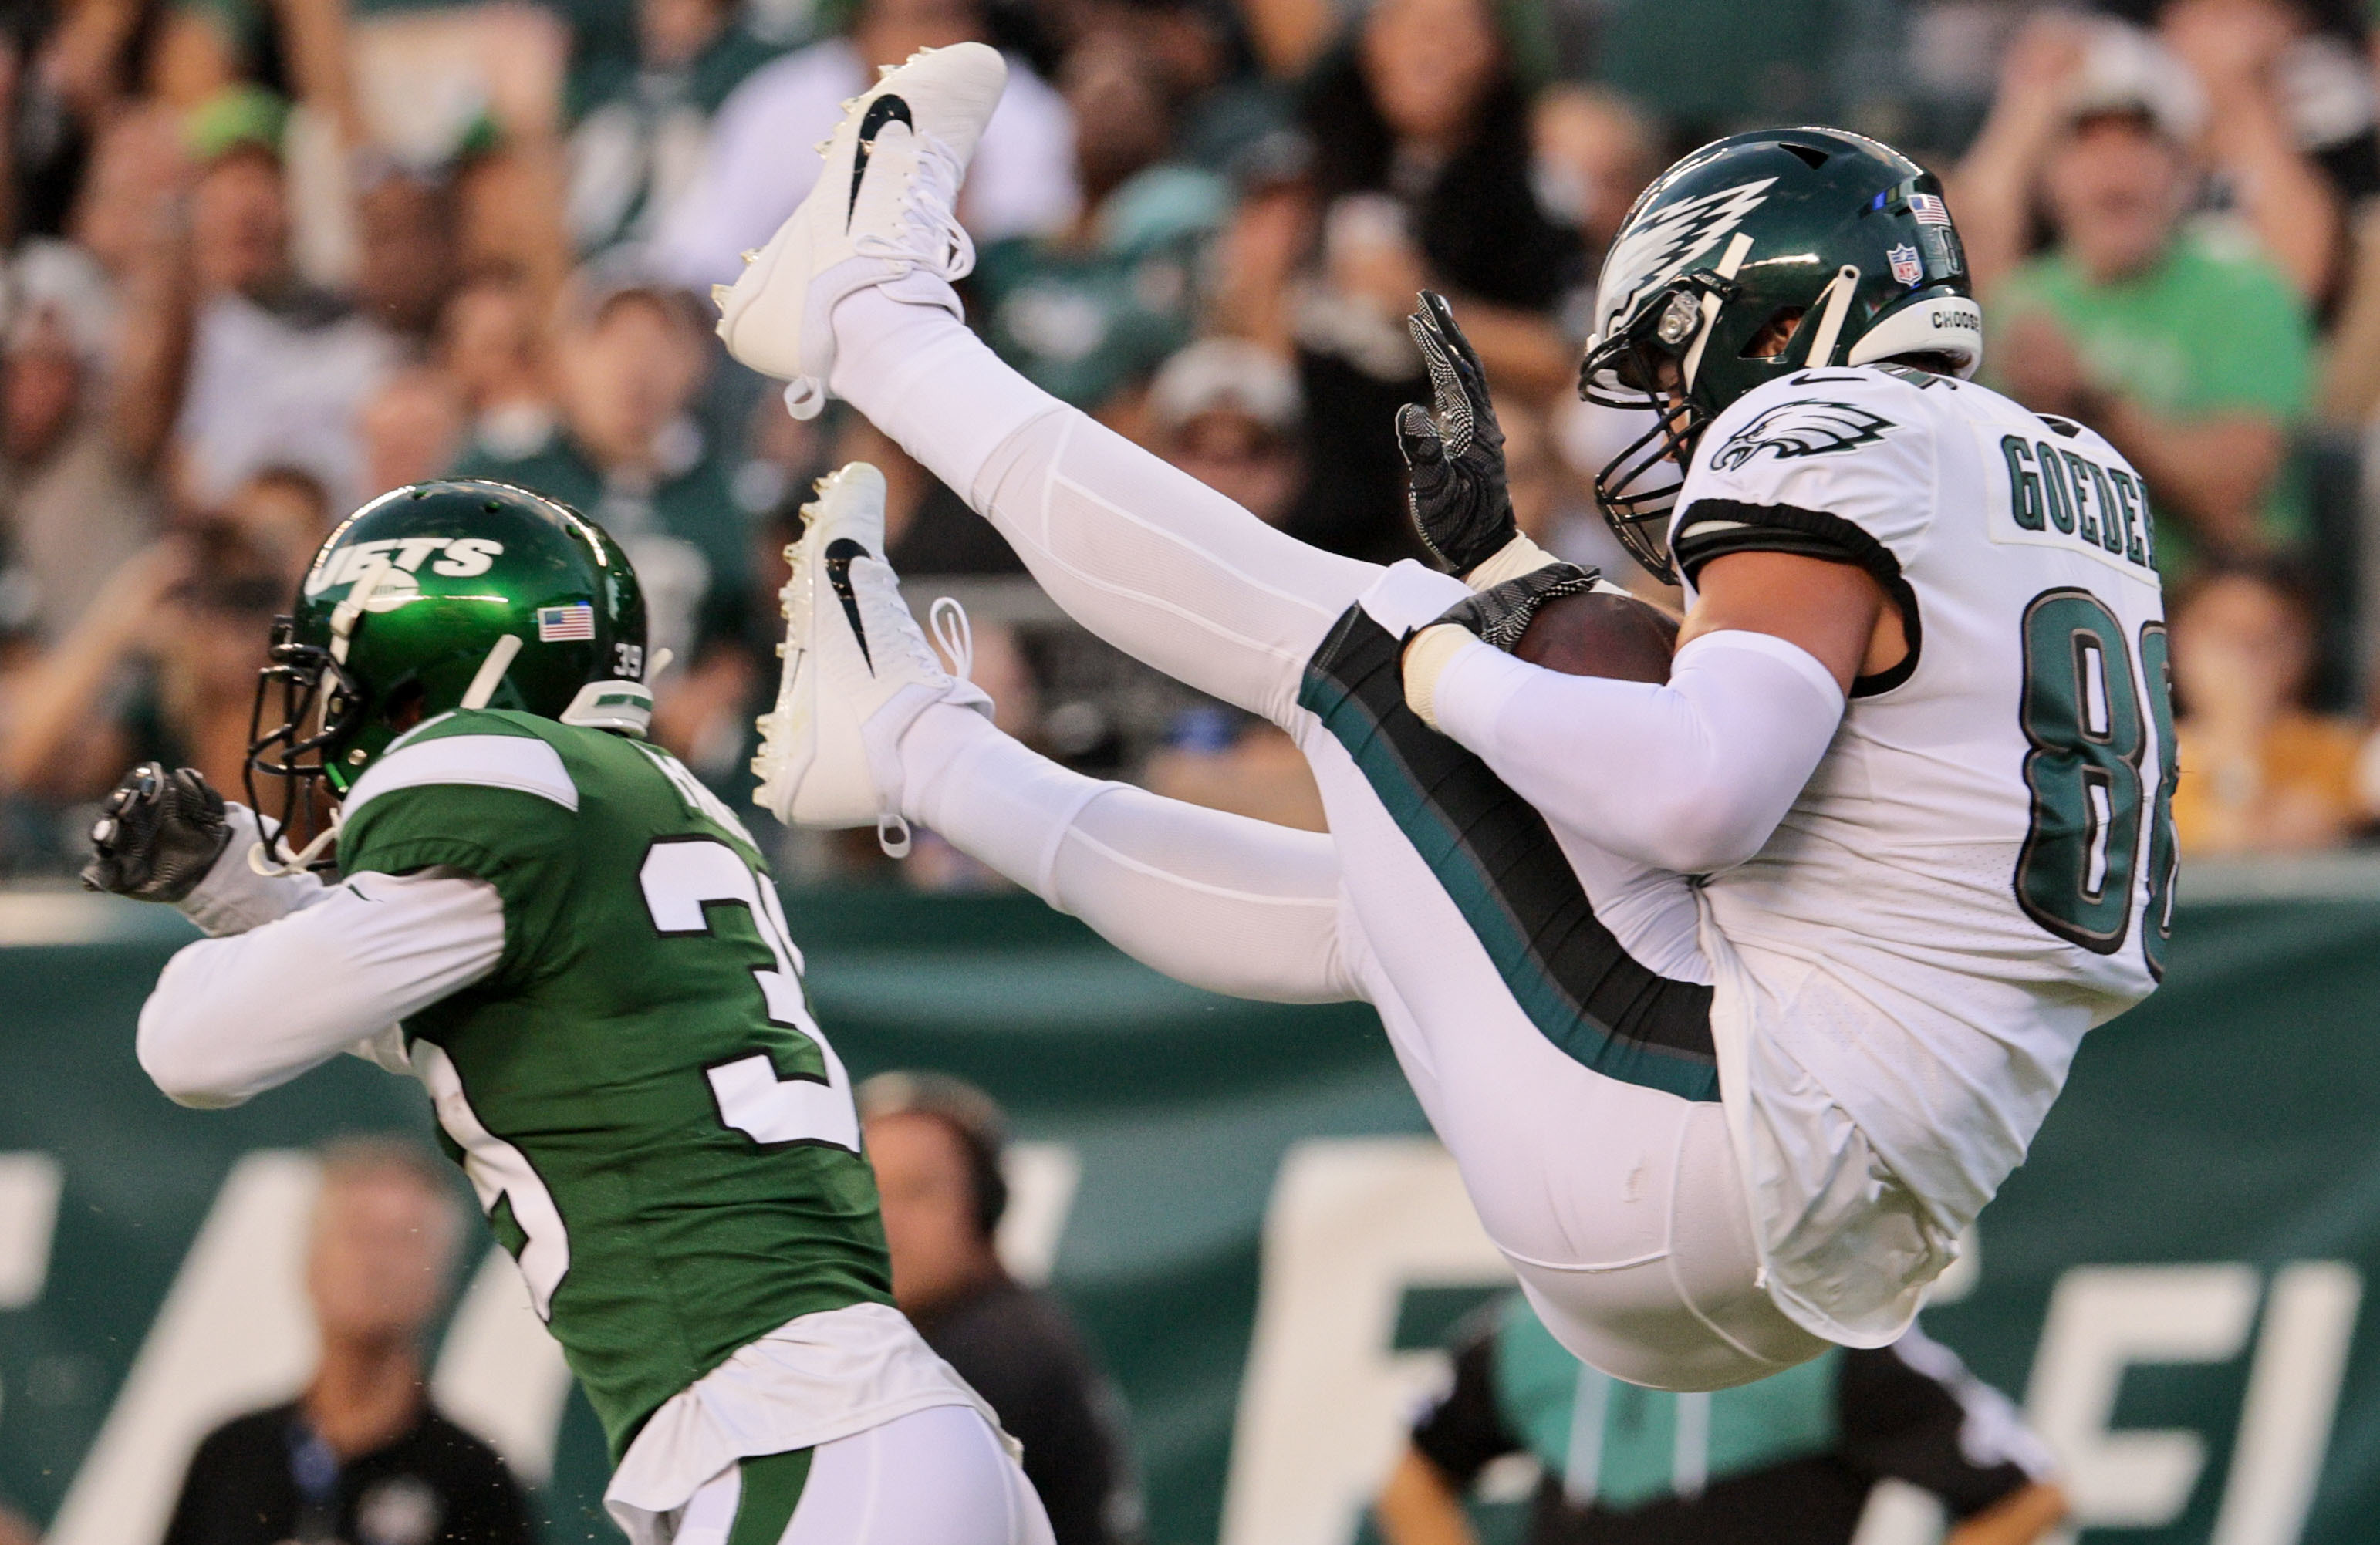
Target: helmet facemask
(1857,263)
(321,706)
(1648,365)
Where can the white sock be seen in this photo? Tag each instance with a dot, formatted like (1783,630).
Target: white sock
(989,797)
(936,388)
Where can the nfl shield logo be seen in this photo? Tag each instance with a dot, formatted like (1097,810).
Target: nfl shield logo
(1906,269)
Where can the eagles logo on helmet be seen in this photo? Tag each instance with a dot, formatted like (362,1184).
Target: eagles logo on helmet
(458,594)
(1755,257)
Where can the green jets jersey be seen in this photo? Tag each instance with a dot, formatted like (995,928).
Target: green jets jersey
(660,1133)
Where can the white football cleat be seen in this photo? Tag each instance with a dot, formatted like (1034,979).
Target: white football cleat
(858,672)
(884,207)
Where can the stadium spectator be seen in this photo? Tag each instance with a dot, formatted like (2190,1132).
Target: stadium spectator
(2190,352)
(936,1144)
(163,662)
(2260,771)
(757,169)
(630,359)
(1223,109)
(643,121)
(489,342)
(1788,1460)
(412,427)
(1423,104)
(2253,142)
(1419,175)
(1595,153)
(1093,307)
(277,370)
(1228,411)
(362,1453)
(405,252)
(76,499)
(280,515)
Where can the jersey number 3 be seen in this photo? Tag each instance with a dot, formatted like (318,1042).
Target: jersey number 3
(679,880)
(2087,720)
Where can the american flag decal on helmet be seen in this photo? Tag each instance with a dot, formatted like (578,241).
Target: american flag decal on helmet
(1929,209)
(563,624)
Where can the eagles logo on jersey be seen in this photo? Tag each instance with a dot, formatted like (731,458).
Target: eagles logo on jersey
(1804,429)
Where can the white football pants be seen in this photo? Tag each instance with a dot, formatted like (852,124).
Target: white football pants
(935,1477)
(1619,1205)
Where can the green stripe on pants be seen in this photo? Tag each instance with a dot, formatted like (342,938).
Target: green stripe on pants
(771,1486)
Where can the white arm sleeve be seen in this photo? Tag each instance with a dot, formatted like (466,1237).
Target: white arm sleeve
(1692,775)
(234,897)
(234,1016)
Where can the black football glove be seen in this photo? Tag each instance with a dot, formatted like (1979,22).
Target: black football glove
(1455,450)
(157,836)
(1502,613)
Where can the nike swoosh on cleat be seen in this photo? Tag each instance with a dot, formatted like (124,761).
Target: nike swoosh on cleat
(885,110)
(839,554)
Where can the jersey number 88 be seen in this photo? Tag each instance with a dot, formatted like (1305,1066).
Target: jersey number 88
(2083,717)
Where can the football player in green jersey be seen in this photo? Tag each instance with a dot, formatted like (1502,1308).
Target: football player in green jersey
(577,948)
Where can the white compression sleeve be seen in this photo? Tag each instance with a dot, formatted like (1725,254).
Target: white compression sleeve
(234,897)
(1135,549)
(227,1020)
(1690,776)
(1216,901)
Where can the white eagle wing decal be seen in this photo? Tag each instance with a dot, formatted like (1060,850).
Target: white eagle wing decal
(1668,243)
(1810,428)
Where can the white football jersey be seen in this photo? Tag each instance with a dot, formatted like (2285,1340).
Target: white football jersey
(1982,868)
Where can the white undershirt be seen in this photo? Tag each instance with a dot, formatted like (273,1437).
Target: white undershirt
(335,972)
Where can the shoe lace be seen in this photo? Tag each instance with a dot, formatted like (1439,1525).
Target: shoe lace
(930,234)
(954,634)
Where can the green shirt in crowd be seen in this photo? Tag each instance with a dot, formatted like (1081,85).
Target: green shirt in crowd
(1083,322)
(2214,327)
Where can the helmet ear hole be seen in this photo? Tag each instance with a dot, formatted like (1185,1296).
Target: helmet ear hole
(1775,336)
(404,706)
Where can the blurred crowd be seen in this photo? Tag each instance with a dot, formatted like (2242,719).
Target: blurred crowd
(267,258)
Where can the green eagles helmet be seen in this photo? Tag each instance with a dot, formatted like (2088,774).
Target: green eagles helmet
(436,596)
(1838,245)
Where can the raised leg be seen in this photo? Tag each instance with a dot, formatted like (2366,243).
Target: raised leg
(1139,553)
(1216,901)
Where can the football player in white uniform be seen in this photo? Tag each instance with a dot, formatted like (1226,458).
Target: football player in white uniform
(1735,995)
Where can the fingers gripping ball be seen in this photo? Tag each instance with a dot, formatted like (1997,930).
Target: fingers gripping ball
(157,836)
(1453,450)
(1560,624)
(1498,616)
(1501,614)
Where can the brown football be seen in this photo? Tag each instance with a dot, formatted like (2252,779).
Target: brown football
(1597,634)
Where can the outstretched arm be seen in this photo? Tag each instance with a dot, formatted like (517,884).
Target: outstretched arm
(234,1016)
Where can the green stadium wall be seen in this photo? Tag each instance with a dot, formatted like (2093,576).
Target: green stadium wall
(1241,1204)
